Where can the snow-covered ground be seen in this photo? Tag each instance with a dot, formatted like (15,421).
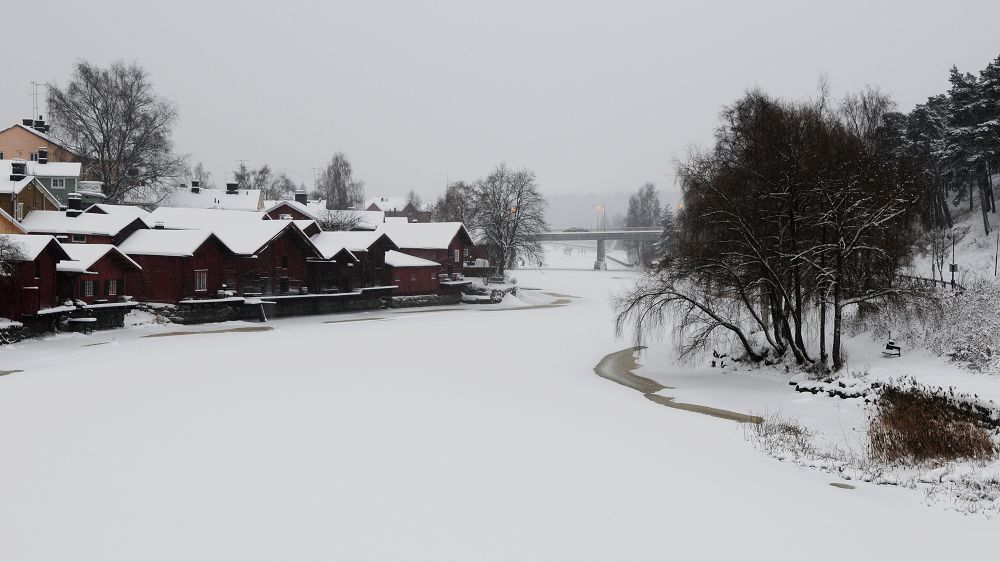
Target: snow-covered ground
(455,433)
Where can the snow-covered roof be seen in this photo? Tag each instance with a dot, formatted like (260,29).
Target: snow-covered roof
(54,169)
(330,243)
(247,238)
(193,218)
(31,245)
(161,242)
(424,235)
(368,220)
(58,222)
(399,259)
(8,186)
(123,210)
(242,200)
(84,256)
(390,204)
(4,214)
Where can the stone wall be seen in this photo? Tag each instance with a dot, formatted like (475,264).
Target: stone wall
(424,300)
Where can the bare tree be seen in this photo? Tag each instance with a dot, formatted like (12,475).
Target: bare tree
(275,187)
(122,128)
(510,210)
(643,211)
(338,186)
(202,176)
(337,219)
(413,198)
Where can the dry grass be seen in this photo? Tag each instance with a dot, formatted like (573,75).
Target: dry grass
(778,433)
(917,424)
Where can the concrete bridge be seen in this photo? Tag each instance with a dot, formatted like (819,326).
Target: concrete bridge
(602,237)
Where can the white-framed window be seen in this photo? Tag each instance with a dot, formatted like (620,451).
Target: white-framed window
(201,280)
(457,256)
(88,288)
(112,287)
(33,156)
(465,252)
(19,211)
(58,183)
(79,238)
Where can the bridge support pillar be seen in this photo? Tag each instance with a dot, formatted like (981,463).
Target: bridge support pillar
(600,264)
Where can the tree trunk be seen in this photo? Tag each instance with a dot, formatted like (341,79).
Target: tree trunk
(838,314)
(943,202)
(989,183)
(985,206)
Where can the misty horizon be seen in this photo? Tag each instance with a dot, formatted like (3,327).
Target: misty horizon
(594,99)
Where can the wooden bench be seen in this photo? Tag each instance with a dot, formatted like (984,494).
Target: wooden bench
(892,350)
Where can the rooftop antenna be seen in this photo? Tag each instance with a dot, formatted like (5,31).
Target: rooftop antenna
(34,95)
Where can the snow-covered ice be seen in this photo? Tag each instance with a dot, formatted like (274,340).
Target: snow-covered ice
(455,433)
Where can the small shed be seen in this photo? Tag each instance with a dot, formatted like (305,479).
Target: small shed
(412,275)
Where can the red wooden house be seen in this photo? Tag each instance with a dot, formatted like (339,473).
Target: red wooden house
(97,273)
(447,243)
(412,275)
(31,286)
(369,247)
(269,257)
(177,264)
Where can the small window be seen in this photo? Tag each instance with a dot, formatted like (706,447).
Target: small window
(1,155)
(33,156)
(58,183)
(88,288)
(19,211)
(201,280)
(413,278)
(457,256)
(465,252)
(112,287)
(79,238)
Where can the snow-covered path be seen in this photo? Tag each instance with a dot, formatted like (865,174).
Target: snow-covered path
(455,435)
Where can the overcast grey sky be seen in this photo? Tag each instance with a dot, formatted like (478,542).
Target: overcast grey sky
(592,96)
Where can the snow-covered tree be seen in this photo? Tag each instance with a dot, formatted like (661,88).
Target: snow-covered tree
(10,252)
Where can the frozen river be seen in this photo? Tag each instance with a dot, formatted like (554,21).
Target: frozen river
(456,435)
